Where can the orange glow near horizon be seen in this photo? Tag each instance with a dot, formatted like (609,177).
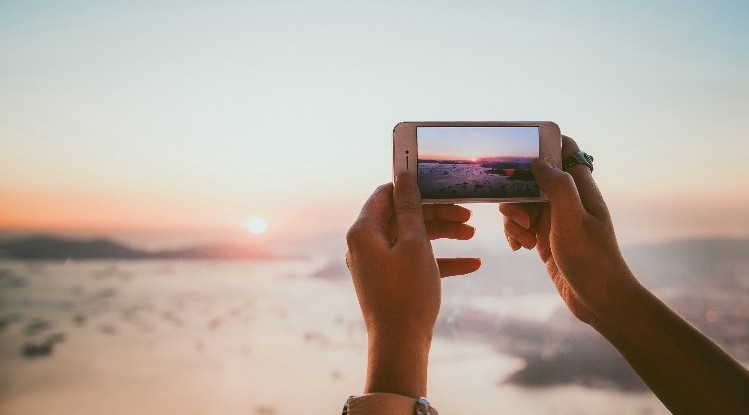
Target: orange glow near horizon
(25,211)
(89,212)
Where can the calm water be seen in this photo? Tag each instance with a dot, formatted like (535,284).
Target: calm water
(173,337)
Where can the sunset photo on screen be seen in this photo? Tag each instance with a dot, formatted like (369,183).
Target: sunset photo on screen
(477,162)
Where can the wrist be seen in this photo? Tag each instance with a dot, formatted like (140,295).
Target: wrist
(623,310)
(397,363)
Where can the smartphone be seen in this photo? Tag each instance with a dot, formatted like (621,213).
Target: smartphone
(470,161)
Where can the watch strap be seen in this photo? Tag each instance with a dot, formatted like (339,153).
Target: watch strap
(580,157)
(387,403)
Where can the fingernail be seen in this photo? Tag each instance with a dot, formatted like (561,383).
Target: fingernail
(528,244)
(514,245)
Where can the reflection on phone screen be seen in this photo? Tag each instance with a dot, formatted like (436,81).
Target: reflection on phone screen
(477,162)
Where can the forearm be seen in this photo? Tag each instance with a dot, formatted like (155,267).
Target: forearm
(687,371)
(398,365)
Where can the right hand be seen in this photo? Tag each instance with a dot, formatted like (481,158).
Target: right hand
(574,237)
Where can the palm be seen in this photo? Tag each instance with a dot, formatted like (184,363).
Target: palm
(547,245)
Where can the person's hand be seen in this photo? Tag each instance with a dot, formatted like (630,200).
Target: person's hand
(397,280)
(574,237)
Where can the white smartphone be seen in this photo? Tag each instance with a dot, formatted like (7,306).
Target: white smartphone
(470,161)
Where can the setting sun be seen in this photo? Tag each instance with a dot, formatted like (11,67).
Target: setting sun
(257,225)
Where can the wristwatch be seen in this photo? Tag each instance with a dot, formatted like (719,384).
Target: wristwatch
(580,157)
(379,403)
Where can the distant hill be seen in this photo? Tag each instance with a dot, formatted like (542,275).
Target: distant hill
(45,247)
(697,262)
(692,263)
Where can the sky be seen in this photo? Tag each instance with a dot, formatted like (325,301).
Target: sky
(471,143)
(180,115)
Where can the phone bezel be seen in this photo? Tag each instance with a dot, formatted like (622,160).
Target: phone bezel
(405,151)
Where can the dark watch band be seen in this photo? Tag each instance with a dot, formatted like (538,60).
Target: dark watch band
(580,157)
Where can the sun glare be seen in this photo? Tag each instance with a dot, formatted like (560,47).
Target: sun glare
(257,225)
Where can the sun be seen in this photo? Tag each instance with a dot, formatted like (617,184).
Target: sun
(257,225)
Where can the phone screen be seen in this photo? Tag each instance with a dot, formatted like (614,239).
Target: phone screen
(476,162)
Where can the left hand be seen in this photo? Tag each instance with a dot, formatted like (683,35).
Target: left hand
(397,277)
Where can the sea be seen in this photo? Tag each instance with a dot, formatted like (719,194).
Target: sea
(285,336)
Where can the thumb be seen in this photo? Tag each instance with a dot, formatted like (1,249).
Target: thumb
(560,187)
(407,204)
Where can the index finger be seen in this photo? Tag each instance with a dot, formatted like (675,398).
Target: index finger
(452,213)
(374,217)
(407,206)
(590,195)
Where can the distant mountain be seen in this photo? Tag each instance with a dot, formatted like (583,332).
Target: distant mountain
(703,263)
(57,248)
(696,262)
(220,251)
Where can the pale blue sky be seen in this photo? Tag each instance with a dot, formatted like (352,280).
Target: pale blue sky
(229,109)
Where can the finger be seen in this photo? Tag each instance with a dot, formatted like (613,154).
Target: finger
(536,209)
(374,217)
(453,213)
(519,213)
(407,207)
(437,229)
(543,228)
(514,244)
(457,266)
(559,186)
(590,195)
(521,235)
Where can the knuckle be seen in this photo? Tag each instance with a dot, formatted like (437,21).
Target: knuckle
(348,259)
(409,208)
(355,234)
(565,179)
(382,187)
(568,141)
